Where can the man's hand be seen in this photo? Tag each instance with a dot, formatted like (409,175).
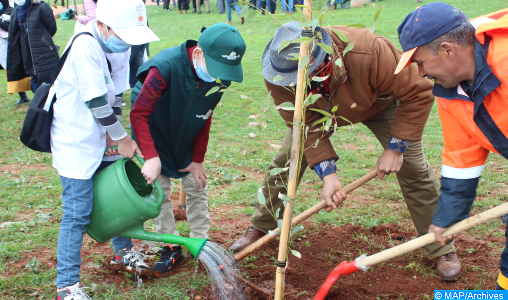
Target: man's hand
(151,169)
(198,172)
(127,147)
(438,231)
(330,194)
(389,162)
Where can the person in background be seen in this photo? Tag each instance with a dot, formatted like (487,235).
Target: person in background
(468,62)
(85,122)
(20,86)
(207,5)
(175,144)
(229,4)
(166,5)
(89,6)
(287,6)
(183,5)
(220,6)
(31,50)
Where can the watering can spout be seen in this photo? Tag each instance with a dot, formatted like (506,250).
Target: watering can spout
(137,232)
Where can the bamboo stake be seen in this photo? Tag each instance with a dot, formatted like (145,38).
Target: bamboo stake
(293,167)
(303,216)
(183,197)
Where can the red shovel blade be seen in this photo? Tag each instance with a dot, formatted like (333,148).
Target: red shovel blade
(344,268)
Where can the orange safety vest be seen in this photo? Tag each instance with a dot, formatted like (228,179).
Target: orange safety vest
(474,126)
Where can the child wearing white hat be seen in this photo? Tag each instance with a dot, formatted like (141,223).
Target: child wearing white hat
(85,122)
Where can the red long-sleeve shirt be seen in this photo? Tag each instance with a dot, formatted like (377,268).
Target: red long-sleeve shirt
(145,103)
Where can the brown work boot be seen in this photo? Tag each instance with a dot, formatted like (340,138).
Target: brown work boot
(448,267)
(250,236)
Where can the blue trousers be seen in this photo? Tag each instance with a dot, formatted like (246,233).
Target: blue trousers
(229,3)
(77,200)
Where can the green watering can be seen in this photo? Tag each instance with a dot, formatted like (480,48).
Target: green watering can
(123,201)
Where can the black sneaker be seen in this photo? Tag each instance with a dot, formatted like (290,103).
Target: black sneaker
(133,261)
(73,292)
(171,256)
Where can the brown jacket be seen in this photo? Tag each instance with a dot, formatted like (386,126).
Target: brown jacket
(362,88)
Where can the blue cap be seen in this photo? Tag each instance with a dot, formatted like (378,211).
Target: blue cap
(424,25)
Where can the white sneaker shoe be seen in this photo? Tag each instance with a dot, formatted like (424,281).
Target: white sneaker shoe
(133,261)
(73,292)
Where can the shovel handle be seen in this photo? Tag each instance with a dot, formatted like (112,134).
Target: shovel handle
(303,216)
(156,183)
(429,238)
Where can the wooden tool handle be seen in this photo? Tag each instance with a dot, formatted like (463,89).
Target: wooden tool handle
(183,196)
(303,216)
(430,238)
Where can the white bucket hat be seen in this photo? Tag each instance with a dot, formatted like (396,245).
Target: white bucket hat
(128,19)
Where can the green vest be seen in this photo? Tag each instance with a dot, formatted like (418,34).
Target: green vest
(182,110)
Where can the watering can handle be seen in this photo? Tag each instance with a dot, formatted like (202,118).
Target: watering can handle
(156,183)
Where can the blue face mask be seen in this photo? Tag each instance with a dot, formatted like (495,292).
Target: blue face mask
(115,44)
(202,73)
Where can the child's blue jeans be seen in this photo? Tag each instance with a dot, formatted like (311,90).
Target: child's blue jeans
(77,200)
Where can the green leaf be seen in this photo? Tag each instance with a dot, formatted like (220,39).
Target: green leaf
(302,6)
(287,106)
(218,80)
(326,48)
(261,197)
(251,16)
(304,62)
(298,229)
(334,109)
(270,26)
(313,98)
(283,45)
(324,10)
(246,103)
(277,212)
(381,33)
(320,79)
(373,28)
(268,99)
(321,112)
(341,36)
(279,223)
(348,48)
(244,10)
(273,232)
(296,253)
(378,13)
(357,25)
(277,171)
(277,78)
(328,123)
(283,197)
(338,62)
(320,121)
(213,90)
(302,40)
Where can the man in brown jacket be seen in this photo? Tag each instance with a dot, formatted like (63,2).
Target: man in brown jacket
(394,107)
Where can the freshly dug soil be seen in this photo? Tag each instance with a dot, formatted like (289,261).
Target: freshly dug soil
(322,248)
(411,275)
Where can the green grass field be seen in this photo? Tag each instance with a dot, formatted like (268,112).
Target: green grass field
(30,189)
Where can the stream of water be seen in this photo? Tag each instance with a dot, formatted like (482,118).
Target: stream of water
(223,271)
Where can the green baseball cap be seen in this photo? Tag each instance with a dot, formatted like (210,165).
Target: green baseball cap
(224,48)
